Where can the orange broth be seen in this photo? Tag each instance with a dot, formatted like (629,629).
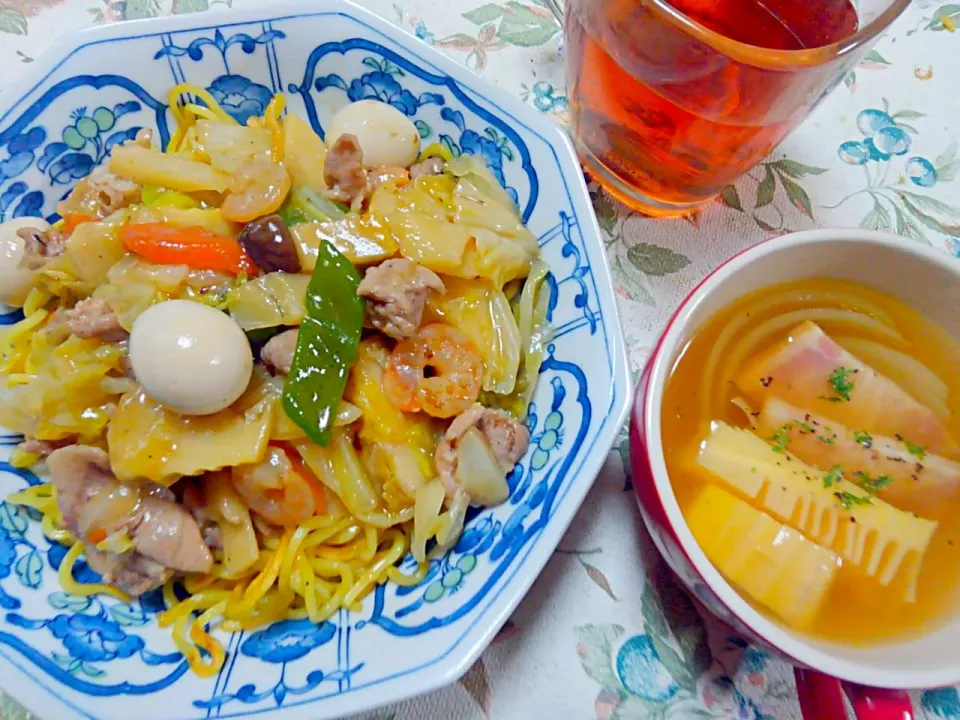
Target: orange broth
(857,609)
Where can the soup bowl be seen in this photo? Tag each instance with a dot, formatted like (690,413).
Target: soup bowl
(873,676)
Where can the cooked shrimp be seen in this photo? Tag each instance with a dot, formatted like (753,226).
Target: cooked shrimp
(438,371)
(259,188)
(274,490)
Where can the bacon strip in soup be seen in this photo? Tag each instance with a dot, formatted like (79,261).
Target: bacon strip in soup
(813,371)
(902,473)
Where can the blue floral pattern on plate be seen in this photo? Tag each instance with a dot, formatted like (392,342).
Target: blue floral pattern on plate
(86,653)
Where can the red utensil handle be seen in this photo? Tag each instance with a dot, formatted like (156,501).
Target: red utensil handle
(821,698)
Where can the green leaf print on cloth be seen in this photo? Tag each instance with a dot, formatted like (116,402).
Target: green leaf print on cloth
(632,263)
(656,260)
(784,173)
(666,669)
(520,25)
(12,21)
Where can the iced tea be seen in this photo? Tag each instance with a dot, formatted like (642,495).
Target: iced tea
(666,114)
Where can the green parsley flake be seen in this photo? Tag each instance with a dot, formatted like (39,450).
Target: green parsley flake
(871,484)
(841,384)
(826,440)
(864,438)
(848,499)
(918,451)
(835,475)
(780,439)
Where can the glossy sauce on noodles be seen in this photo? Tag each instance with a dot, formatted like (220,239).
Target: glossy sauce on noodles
(856,609)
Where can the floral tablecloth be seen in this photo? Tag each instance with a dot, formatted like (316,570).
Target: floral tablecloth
(605,632)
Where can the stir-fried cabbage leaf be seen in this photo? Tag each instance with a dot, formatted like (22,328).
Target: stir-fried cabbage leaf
(148,441)
(452,226)
(230,147)
(92,250)
(133,285)
(362,239)
(483,313)
(304,153)
(211,219)
(476,178)
(270,300)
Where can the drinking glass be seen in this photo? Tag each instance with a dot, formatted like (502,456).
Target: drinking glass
(672,101)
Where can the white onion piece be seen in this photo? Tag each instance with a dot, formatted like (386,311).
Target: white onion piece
(452,521)
(426,513)
(347,414)
(909,373)
(478,472)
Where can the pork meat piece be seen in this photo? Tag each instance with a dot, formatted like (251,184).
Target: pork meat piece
(507,437)
(396,291)
(343,171)
(164,533)
(277,354)
(93,317)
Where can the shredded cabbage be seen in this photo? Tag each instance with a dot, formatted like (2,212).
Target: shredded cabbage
(426,517)
(339,468)
(397,472)
(61,394)
(530,311)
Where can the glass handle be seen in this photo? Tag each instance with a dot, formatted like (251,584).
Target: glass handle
(555,7)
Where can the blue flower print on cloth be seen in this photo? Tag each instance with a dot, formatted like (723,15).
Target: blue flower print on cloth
(892,180)
(546,99)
